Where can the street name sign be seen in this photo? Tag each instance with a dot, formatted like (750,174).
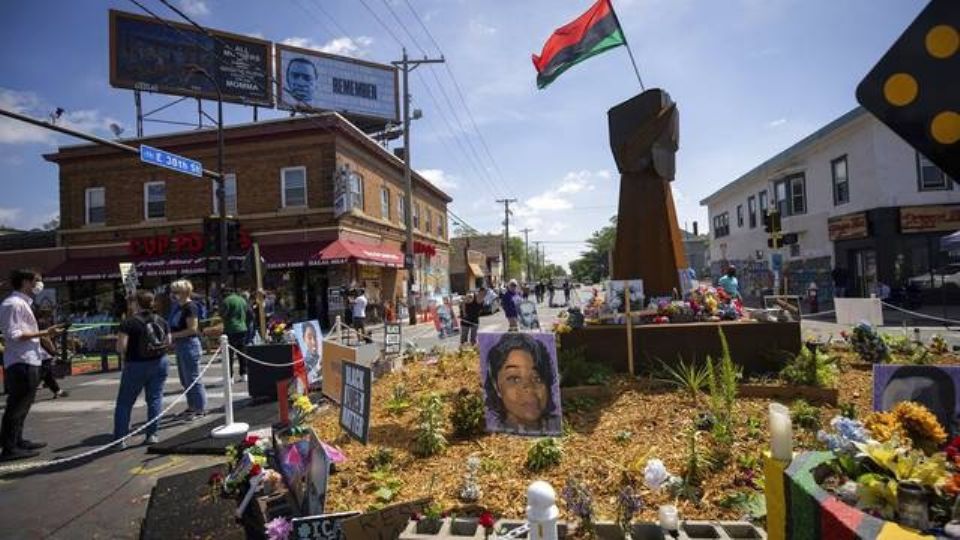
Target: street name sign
(167,160)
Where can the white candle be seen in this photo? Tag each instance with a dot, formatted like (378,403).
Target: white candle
(669,519)
(781,433)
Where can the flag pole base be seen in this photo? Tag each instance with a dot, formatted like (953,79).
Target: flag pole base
(230,430)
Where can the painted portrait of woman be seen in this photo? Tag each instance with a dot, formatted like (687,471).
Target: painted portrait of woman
(520,382)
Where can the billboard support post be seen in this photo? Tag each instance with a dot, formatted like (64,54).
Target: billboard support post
(407,65)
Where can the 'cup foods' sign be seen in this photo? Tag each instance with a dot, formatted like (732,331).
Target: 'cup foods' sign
(930,218)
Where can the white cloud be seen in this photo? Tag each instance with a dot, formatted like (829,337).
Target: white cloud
(30,104)
(557,228)
(776,123)
(440,179)
(578,181)
(547,201)
(479,28)
(345,46)
(194,8)
(9,215)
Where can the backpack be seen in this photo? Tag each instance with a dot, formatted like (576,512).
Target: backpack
(153,342)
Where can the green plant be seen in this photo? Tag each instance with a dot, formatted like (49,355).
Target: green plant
(722,381)
(430,440)
(575,370)
(623,437)
(380,459)
(399,401)
(543,454)
(750,503)
(467,414)
(687,377)
(848,410)
(811,367)
(579,404)
(754,427)
(805,415)
(387,486)
(697,462)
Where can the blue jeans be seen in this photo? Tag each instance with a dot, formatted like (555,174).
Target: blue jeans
(137,376)
(188,368)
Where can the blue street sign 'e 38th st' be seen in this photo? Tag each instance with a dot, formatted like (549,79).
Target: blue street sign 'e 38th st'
(155,156)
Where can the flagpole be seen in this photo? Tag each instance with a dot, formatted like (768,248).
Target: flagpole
(627,45)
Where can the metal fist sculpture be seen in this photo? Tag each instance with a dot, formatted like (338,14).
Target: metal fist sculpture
(644,137)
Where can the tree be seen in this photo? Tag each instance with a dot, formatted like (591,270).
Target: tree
(51,225)
(594,264)
(553,270)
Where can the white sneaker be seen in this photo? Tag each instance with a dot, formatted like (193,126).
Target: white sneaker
(121,446)
(151,439)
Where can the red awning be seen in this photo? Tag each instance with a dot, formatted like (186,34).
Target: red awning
(342,251)
(291,255)
(93,268)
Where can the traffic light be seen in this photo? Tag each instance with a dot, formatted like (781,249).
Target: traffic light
(774,242)
(915,88)
(211,236)
(771,222)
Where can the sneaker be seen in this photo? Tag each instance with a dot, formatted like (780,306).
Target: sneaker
(18,453)
(60,394)
(151,439)
(30,445)
(121,446)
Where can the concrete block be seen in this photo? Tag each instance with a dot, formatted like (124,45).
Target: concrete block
(465,528)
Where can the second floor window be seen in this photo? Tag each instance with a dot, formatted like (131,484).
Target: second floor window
(752,211)
(791,195)
(402,209)
(841,182)
(385,203)
(739,215)
(96,207)
(230,189)
(155,200)
(440,221)
(930,177)
(721,225)
(429,226)
(762,198)
(293,187)
(356,191)
(416,216)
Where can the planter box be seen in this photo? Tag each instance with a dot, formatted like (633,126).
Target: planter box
(592,391)
(262,382)
(689,530)
(813,394)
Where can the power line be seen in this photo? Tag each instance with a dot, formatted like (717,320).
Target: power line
(332,19)
(404,28)
(425,29)
(313,16)
(385,27)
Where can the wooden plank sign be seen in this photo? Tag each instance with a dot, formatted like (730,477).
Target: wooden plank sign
(334,356)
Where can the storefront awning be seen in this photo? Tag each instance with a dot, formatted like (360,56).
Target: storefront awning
(281,256)
(93,268)
(342,251)
(476,270)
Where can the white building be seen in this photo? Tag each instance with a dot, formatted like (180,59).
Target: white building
(856,195)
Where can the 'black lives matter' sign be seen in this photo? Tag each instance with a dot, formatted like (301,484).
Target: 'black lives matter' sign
(355,401)
(392,339)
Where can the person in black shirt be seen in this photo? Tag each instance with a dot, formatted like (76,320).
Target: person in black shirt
(470,317)
(185,329)
(141,344)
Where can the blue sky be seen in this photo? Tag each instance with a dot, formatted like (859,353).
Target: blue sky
(750,77)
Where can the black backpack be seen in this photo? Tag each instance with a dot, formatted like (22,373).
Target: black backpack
(153,341)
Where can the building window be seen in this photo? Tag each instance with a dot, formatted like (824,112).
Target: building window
(791,195)
(440,221)
(429,222)
(752,210)
(293,187)
(416,216)
(739,215)
(402,209)
(96,206)
(795,250)
(356,191)
(763,202)
(230,188)
(155,200)
(385,203)
(841,183)
(721,225)
(930,177)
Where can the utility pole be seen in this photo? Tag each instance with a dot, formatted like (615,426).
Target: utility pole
(536,251)
(406,66)
(526,249)
(506,236)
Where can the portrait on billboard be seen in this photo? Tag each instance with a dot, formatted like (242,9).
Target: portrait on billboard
(312,80)
(310,340)
(619,290)
(521,384)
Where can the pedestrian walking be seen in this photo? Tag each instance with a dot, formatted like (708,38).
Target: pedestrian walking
(233,312)
(510,302)
(359,310)
(185,331)
(566,292)
(470,318)
(142,344)
(538,291)
(21,362)
(550,290)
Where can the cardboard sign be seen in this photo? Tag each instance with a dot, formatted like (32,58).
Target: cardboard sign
(392,338)
(310,340)
(322,527)
(128,273)
(384,524)
(334,356)
(355,401)
(935,387)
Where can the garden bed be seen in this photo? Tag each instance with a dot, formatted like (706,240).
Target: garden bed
(788,393)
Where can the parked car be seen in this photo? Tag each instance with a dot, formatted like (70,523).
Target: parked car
(946,276)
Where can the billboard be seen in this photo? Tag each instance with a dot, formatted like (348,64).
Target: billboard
(150,55)
(311,79)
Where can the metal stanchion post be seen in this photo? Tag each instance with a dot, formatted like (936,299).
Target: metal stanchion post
(230,428)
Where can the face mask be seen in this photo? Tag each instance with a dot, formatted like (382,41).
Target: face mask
(37,288)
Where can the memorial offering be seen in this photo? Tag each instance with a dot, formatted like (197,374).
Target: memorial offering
(529,320)
(355,401)
(310,340)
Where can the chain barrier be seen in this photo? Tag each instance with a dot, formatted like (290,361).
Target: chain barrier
(515,533)
(922,315)
(262,363)
(41,464)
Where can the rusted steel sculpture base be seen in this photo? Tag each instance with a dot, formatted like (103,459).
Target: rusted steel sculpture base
(644,134)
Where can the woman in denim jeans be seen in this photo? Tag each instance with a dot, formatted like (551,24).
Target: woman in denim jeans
(185,329)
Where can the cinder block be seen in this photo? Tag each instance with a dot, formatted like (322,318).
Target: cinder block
(606,530)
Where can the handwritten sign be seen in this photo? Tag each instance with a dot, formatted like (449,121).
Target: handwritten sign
(323,527)
(392,338)
(355,401)
(384,524)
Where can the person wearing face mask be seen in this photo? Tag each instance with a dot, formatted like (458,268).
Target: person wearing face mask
(185,331)
(22,359)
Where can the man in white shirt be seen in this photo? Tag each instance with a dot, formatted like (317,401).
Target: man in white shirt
(21,362)
(359,309)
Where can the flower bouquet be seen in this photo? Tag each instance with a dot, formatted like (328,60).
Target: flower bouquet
(276,331)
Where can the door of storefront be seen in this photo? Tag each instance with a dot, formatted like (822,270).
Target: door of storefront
(864,267)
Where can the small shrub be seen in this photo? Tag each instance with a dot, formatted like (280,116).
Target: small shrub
(868,344)
(387,486)
(805,415)
(400,401)
(575,370)
(430,439)
(543,454)
(467,414)
(579,404)
(811,368)
(623,437)
(722,381)
(754,428)
(848,410)
(687,377)
(380,459)
(938,345)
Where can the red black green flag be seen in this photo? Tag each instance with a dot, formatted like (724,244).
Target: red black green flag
(592,33)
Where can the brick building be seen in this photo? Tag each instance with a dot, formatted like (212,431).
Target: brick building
(476,260)
(281,177)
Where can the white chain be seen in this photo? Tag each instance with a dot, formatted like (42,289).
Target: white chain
(40,464)
(515,533)
(262,363)
(921,315)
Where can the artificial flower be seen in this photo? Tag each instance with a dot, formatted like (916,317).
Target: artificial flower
(921,425)
(333,453)
(655,474)
(846,432)
(883,426)
(486,520)
(250,440)
(278,529)
(878,493)
(256,469)
(953,450)
(215,479)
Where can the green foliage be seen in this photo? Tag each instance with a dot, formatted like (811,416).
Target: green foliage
(543,454)
(467,414)
(387,486)
(687,377)
(754,427)
(579,404)
(805,415)
(811,367)
(400,401)
(430,439)
(848,410)
(697,462)
(750,503)
(380,459)
(722,381)
(623,437)
(594,263)
(575,370)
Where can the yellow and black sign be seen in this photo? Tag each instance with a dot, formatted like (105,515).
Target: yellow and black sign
(915,88)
